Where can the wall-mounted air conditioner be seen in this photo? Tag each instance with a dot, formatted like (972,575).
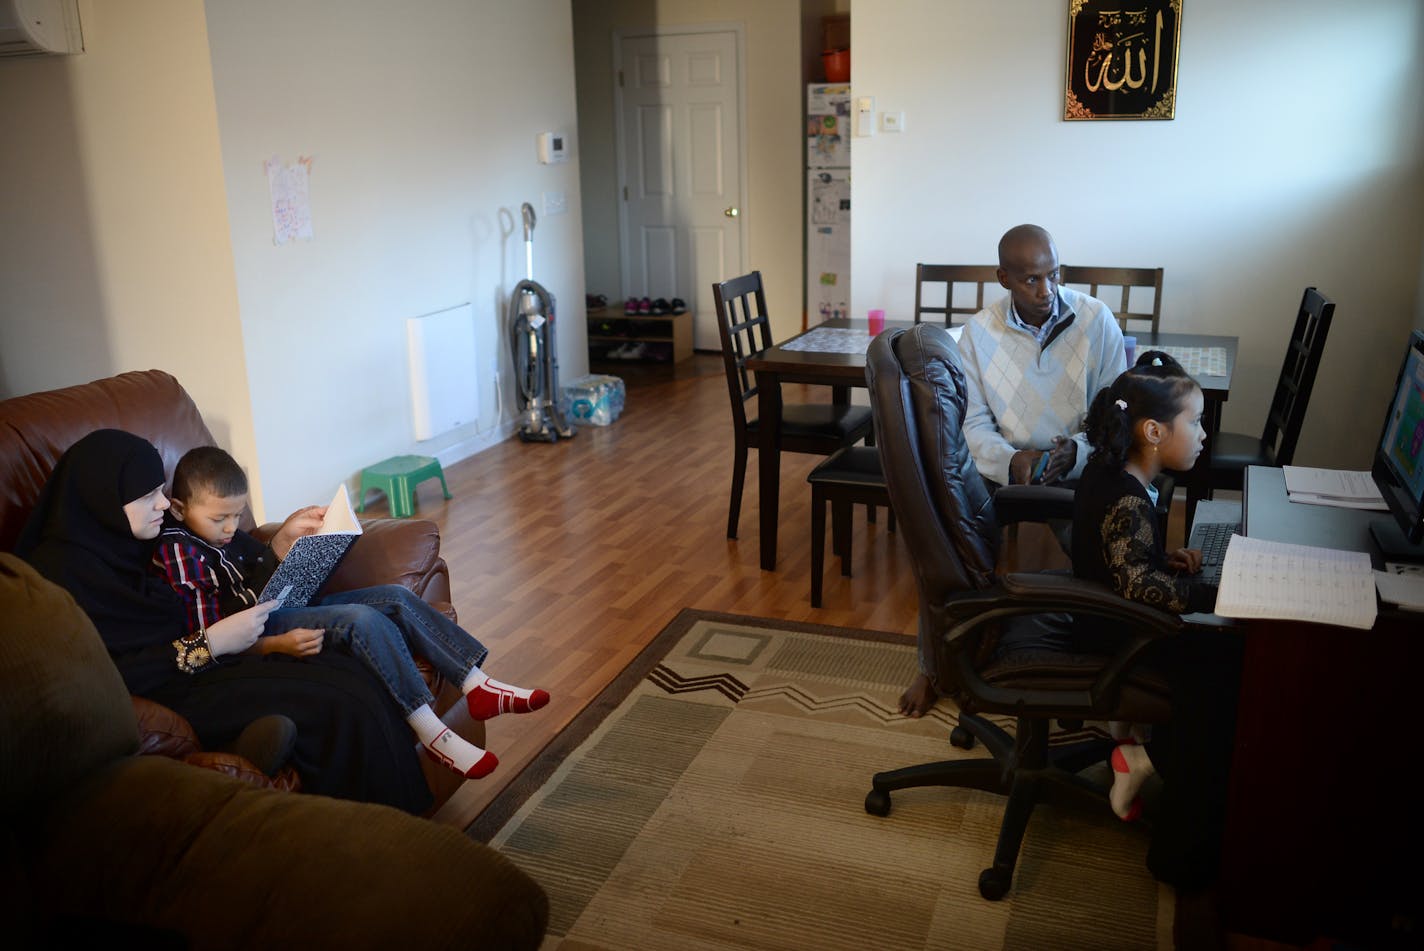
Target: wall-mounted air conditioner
(36,27)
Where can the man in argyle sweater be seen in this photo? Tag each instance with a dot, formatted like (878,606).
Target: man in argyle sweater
(1032,364)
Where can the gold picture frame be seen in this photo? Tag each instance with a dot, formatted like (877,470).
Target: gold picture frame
(1103,81)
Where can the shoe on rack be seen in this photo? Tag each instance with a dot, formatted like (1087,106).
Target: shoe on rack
(661,306)
(636,351)
(630,306)
(645,306)
(595,301)
(679,306)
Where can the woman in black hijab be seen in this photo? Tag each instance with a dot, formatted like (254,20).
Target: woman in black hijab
(93,532)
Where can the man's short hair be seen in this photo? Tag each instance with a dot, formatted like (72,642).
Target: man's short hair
(208,469)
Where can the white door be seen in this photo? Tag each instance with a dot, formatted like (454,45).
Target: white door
(680,149)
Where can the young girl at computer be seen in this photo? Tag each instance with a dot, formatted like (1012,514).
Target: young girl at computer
(1147,420)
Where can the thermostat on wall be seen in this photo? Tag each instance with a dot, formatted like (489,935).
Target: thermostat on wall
(553,147)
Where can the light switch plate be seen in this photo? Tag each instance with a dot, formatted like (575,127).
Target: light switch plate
(864,115)
(892,122)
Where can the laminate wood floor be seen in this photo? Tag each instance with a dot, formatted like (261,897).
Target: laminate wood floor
(567,558)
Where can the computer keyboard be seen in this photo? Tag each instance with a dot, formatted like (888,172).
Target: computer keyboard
(1212,538)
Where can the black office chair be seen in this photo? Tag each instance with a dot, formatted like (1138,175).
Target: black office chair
(1231,453)
(819,428)
(1002,640)
(977,276)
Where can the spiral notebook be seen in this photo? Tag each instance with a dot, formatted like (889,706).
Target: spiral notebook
(1264,579)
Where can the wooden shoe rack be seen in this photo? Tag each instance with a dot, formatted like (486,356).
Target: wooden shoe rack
(615,337)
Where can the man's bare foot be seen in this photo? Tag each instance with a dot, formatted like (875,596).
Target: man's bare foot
(919,698)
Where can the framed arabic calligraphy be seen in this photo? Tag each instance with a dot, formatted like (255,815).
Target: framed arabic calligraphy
(1122,59)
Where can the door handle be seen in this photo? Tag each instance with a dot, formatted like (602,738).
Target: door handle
(731,212)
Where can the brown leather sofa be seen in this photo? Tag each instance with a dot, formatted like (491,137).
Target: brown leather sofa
(104,848)
(36,429)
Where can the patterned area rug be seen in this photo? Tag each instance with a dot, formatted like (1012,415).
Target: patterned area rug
(712,798)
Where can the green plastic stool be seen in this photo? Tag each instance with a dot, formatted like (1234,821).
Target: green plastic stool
(397,477)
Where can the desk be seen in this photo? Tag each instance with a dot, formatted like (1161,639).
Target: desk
(1215,389)
(1324,832)
(777,365)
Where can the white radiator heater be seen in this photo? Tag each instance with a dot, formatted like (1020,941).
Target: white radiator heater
(444,392)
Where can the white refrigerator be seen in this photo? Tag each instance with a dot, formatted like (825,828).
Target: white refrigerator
(828,134)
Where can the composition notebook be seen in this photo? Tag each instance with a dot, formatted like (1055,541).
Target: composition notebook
(312,558)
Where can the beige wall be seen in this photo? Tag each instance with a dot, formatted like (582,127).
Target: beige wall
(114,249)
(772,32)
(137,227)
(1274,175)
(421,120)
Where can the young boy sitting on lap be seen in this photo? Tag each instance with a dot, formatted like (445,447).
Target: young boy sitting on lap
(216,567)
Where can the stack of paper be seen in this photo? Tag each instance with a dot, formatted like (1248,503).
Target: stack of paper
(1337,487)
(1402,585)
(1261,579)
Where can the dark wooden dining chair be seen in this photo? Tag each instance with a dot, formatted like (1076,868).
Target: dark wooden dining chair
(819,428)
(1231,453)
(1098,280)
(976,276)
(849,478)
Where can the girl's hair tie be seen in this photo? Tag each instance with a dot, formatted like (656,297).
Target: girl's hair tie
(1156,361)
(1122,405)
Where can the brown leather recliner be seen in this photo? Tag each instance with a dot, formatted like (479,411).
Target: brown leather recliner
(36,429)
(1003,647)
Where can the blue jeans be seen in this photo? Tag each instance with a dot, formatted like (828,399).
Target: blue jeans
(380,626)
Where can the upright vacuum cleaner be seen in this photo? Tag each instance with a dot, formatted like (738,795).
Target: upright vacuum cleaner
(536,360)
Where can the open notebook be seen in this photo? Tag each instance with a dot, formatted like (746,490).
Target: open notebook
(1264,579)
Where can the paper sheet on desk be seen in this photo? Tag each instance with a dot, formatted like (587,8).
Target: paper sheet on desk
(1405,589)
(1264,579)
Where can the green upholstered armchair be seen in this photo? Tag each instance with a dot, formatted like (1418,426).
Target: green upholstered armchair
(100,842)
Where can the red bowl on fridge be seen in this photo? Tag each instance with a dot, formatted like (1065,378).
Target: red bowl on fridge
(837,65)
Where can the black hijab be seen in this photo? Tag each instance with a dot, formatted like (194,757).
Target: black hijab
(79,537)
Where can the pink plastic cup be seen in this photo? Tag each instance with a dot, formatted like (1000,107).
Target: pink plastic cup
(877,321)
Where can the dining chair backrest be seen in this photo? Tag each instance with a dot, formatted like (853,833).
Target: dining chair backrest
(1098,280)
(745,331)
(976,276)
(1307,344)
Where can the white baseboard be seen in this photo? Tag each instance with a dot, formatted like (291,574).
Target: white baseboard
(477,443)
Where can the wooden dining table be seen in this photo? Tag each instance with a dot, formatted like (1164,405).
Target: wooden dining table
(787,363)
(802,359)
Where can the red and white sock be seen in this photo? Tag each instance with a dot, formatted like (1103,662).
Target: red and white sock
(448,748)
(1131,767)
(488,698)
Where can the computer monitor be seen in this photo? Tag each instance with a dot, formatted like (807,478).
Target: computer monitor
(1399,460)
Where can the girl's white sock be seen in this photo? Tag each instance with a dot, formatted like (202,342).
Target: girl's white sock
(1131,767)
